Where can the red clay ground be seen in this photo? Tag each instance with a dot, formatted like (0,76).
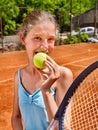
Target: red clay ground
(76,57)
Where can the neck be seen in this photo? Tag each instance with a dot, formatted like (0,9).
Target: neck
(30,68)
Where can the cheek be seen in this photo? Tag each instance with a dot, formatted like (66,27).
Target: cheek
(51,45)
(51,48)
(30,45)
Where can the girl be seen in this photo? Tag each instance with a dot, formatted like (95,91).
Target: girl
(38,92)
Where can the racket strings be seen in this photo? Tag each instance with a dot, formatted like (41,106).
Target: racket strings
(82,111)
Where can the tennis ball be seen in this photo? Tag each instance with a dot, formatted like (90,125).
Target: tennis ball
(39,60)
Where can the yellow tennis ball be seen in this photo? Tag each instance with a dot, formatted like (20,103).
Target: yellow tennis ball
(39,60)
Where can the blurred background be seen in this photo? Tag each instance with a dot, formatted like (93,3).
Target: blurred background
(77,20)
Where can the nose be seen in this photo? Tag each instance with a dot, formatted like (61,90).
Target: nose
(45,43)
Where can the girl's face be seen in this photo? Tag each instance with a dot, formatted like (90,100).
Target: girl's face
(41,37)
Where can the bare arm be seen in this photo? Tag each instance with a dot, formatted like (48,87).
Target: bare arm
(60,77)
(16,116)
(63,83)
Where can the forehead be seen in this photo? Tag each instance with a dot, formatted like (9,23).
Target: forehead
(43,28)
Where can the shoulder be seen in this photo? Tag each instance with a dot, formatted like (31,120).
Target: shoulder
(16,81)
(17,74)
(16,78)
(66,77)
(65,72)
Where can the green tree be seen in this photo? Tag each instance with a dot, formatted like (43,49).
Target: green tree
(12,12)
(8,12)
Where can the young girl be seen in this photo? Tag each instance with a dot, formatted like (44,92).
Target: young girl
(38,92)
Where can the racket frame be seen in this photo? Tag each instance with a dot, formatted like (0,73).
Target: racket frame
(62,108)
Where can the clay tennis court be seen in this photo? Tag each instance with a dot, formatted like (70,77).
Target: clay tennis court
(76,57)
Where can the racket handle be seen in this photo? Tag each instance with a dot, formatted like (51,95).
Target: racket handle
(52,124)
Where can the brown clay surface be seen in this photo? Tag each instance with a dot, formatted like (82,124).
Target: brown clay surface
(76,57)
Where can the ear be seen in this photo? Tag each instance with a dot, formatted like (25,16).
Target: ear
(22,37)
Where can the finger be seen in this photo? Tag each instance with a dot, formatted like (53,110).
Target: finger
(51,60)
(51,66)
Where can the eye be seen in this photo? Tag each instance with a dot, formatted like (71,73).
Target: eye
(52,39)
(37,39)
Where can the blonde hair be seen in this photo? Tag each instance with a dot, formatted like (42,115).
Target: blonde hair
(35,17)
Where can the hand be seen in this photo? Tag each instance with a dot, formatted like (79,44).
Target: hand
(51,73)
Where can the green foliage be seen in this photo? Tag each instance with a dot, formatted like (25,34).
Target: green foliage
(83,37)
(9,17)
(76,39)
(80,6)
(12,12)
(71,39)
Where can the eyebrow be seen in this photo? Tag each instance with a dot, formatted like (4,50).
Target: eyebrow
(51,35)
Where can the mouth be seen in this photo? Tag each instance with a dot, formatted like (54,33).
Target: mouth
(38,51)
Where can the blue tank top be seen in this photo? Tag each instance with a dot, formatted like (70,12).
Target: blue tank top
(32,108)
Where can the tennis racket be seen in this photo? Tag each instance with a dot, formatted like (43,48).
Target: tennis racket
(79,108)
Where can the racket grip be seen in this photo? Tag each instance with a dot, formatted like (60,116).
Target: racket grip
(52,124)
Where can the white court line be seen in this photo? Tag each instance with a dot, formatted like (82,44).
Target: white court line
(6,80)
(64,56)
(74,65)
(84,59)
(80,61)
(2,81)
(11,67)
